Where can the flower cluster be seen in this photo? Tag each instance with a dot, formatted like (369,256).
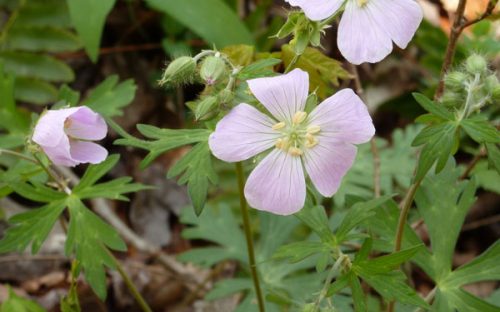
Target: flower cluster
(322,142)
(65,136)
(367,27)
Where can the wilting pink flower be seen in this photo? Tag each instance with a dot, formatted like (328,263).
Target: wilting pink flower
(321,142)
(368,27)
(65,136)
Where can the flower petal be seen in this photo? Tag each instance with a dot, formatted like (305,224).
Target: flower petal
(327,163)
(360,38)
(87,152)
(60,154)
(399,18)
(241,134)
(283,95)
(344,117)
(49,129)
(86,124)
(277,184)
(317,10)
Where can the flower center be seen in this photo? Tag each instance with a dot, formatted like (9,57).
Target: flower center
(362,3)
(297,135)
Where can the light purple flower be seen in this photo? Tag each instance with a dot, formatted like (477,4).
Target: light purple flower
(368,27)
(65,136)
(321,142)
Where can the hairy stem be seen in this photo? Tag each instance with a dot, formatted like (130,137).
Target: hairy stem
(248,235)
(459,24)
(294,61)
(18,155)
(130,284)
(403,216)
(331,274)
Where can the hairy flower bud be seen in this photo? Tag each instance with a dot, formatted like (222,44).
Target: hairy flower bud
(455,80)
(181,70)
(476,64)
(206,108)
(213,69)
(452,99)
(225,97)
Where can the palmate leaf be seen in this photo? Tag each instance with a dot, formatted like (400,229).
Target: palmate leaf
(195,168)
(114,189)
(31,227)
(88,238)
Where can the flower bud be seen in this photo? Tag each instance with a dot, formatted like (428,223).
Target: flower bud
(225,97)
(206,108)
(495,93)
(491,83)
(452,99)
(181,70)
(455,80)
(476,64)
(213,68)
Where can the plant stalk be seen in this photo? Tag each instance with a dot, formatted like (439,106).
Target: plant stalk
(248,235)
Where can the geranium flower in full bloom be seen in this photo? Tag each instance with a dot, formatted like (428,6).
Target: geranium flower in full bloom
(321,142)
(65,136)
(367,27)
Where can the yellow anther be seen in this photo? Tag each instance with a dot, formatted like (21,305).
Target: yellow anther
(295,151)
(282,144)
(279,143)
(278,126)
(311,141)
(299,117)
(313,129)
(361,3)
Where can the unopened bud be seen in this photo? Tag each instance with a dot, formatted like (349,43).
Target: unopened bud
(181,70)
(206,108)
(452,99)
(476,64)
(213,68)
(225,97)
(495,94)
(455,80)
(491,83)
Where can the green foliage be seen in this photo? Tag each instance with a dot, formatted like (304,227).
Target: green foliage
(36,28)
(16,303)
(88,238)
(89,17)
(110,97)
(215,21)
(195,168)
(441,137)
(324,72)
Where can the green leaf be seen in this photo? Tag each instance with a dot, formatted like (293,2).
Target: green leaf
(89,17)
(493,156)
(196,170)
(324,72)
(452,205)
(44,14)
(357,214)
(485,267)
(316,219)
(228,287)
(110,97)
(387,263)
(89,237)
(18,304)
(37,192)
(166,139)
(358,297)
(392,286)
(339,284)
(463,301)
(215,21)
(260,68)
(35,91)
(433,107)
(481,130)
(299,251)
(31,227)
(46,39)
(30,65)
(439,141)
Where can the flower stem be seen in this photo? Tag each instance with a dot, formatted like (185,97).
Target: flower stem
(18,155)
(130,285)
(248,235)
(294,61)
(405,209)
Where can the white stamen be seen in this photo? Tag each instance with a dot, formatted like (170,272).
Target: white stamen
(279,125)
(299,117)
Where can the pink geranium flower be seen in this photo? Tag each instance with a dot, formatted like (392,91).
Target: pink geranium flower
(321,142)
(368,27)
(65,135)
